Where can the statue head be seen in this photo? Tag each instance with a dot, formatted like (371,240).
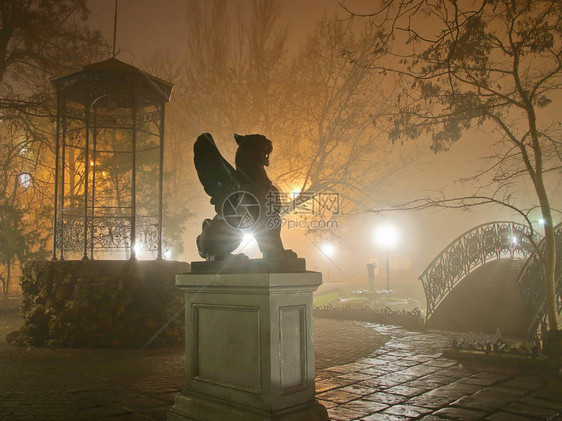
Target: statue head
(253,150)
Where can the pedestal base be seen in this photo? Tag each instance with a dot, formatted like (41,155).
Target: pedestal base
(249,347)
(191,406)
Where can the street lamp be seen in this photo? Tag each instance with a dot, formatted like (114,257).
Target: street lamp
(328,250)
(386,237)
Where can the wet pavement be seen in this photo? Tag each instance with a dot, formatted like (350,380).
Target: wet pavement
(90,384)
(364,372)
(407,378)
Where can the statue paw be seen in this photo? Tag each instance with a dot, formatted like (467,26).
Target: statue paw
(290,254)
(222,257)
(280,254)
(239,256)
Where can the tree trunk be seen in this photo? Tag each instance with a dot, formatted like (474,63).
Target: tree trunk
(549,257)
(8,278)
(549,263)
(4,288)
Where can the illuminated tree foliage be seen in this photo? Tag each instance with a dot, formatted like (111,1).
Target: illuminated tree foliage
(38,39)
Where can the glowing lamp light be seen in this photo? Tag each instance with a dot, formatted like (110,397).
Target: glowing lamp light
(514,240)
(25,180)
(328,249)
(248,245)
(386,236)
(295,191)
(167,254)
(138,248)
(542,221)
(247,239)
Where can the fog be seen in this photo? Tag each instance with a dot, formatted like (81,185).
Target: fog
(147,27)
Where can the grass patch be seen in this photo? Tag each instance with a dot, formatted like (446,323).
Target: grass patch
(325,299)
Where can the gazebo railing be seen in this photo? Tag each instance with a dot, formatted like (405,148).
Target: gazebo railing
(107,233)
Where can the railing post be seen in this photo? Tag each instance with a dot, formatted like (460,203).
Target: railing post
(512,240)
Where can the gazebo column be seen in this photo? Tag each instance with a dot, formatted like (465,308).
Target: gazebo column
(94,138)
(57,157)
(63,165)
(86,176)
(134,182)
(160,181)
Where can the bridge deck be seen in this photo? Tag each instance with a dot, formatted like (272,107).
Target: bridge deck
(487,299)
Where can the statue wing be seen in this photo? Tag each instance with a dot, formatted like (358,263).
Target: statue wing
(218,177)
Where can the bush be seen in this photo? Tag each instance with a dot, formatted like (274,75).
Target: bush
(99,303)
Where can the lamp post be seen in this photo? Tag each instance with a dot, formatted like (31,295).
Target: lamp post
(371,272)
(387,237)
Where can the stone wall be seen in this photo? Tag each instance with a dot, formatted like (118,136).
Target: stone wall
(99,303)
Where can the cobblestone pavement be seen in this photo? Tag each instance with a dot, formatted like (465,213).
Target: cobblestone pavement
(90,384)
(407,378)
(364,372)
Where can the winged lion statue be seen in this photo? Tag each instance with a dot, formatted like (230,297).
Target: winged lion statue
(245,199)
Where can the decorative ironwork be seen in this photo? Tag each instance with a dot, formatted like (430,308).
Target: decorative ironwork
(147,237)
(110,233)
(470,250)
(531,281)
(493,344)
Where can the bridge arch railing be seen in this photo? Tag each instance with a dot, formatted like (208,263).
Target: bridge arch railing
(531,281)
(470,250)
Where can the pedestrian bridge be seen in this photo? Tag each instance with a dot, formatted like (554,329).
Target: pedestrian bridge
(490,277)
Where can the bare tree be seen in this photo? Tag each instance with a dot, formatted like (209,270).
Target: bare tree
(330,143)
(315,105)
(42,38)
(492,65)
(38,39)
(233,69)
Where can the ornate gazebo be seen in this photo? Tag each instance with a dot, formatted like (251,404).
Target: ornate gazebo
(109,162)
(107,284)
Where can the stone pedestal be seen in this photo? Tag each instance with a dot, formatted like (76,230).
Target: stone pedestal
(249,347)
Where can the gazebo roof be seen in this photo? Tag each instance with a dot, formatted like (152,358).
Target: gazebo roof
(112,77)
